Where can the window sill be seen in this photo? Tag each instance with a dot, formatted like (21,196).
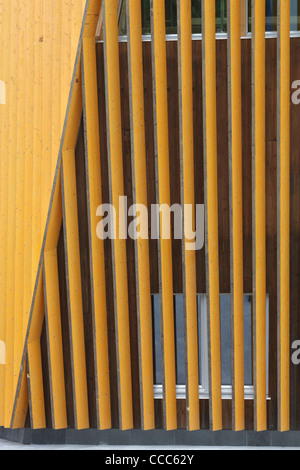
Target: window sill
(198,37)
(203,394)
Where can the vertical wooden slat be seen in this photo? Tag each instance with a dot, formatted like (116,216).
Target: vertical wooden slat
(66,51)
(28,174)
(185,74)
(52,308)
(259,213)
(11,220)
(236,210)
(20,186)
(74,289)
(161,137)
(47,109)
(76,20)
(54,340)
(37,412)
(35,371)
(4,200)
(37,137)
(120,279)
(35,385)
(2,333)
(211,210)
(97,260)
(56,83)
(139,177)
(283,208)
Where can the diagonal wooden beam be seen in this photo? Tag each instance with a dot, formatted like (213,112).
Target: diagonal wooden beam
(11,221)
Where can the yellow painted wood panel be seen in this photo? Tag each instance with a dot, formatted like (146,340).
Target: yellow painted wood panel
(57,121)
(211,207)
(36,389)
(37,137)
(119,252)
(28,172)
(47,109)
(35,372)
(186,120)
(259,213)
(139,172)
(54,340)
(20,193)
(283,207)
(236,210)
(163,197)
(4,198)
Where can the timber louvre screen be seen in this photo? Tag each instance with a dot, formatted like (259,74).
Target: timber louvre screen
(43,383)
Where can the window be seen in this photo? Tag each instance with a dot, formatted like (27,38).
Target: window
(171,17)
(225,320)
(221,16)
(271,15)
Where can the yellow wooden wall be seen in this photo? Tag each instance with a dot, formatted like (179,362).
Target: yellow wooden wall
(38,45)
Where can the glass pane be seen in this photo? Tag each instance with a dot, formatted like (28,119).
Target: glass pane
(271,15)
(200,333)
(146,20)
(179,343)
(171,16)
(248,339)
(225,318)
(295,15)
(225,339)
(221,16)
(196,17)
(156,340)
(179,339)
(122,20)
(225,321)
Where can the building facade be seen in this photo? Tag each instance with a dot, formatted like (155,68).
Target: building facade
(109,112)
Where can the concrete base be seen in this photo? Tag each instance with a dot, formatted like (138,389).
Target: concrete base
(152,438)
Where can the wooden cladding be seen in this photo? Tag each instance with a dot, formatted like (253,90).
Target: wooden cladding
(159,122)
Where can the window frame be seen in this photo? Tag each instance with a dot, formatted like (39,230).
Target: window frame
(198,36)
(226,390)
